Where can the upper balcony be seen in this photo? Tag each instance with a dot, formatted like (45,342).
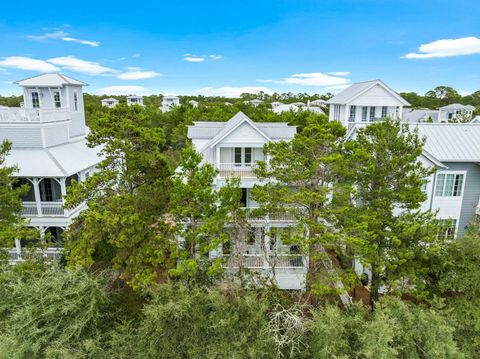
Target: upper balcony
(32,115)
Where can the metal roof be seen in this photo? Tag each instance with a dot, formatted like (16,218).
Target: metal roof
(458,106)
(58,161)
(451,142)
(49,80)
(415,115)
(350,93)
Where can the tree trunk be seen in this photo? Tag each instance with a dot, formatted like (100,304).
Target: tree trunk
(374,287)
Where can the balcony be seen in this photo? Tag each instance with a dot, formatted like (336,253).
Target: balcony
(32,115)
(49,253)
(241,170)
(260,261)
(47,209)
(272,217)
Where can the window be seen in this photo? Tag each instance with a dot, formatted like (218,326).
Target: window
(353,109)
(57,103)
(423,188)
(449,185)
(364,113)
(75,101)
(372,113)
(238,155)
(35,100)
(450,115)
(446,228)
(248,155)
(384,111)
(243,155)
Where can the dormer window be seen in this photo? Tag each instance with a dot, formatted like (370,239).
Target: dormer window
(35,100)
(57,103)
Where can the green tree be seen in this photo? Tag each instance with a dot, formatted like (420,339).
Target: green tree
(12,224)
(124,225)
(200,213)
(303,178)
(393,237)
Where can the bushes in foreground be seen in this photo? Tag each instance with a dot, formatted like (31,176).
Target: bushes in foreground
(72,314)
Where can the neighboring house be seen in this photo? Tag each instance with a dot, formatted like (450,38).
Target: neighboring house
(450,113)
(50,151)
(135,100)
(193,103)
(318,102)
(170,101)
(234,147)
(455,111)
(110,102)
(295,108)
(367,101)
(276,104)
(476,119)
(254,102)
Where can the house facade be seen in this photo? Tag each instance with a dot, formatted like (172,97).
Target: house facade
(451,113)
(365,102)
(135,100)
(50,150)
(109,102)
(170,101)
(233,148)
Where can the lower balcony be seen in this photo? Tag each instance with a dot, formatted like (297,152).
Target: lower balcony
(16,256)
(47,209)
(241,170)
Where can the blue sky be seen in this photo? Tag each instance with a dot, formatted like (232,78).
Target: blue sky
(229,47)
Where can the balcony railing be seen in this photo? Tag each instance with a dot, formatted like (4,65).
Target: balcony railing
(255,261)
(242,170)
(49,253)
(50,209)
(272,217)
(35,115)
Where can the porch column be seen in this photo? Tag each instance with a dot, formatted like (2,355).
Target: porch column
(18,247)
(38,199)
(217,151)
(267,242)
(63,188)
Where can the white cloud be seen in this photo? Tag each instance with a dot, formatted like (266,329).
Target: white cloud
(201,58)
(135,73)
(27,63)
(312,79)
(339,73)
(63,36)
(123,90)
(230,91)
(447,48)
(83,42)
(135,56)
(83,66)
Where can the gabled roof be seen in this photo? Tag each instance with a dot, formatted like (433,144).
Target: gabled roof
(50,80)
(417,115)
(215,131)
(357,89)
(231,125)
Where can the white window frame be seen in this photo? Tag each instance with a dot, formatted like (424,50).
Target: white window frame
(54,93)
(38,98)
(384,111)
(353,110)
(336,112)
(75,100)
(371,113)
(445,173)
(364,113)
(454,227)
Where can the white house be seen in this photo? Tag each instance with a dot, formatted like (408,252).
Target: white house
(318,102)
(295,108)
(366,101)
(276,104)
(193,103)
(50,151)
(109,102)
(135,100)
(170,101)
(253,102)
(234,147)
(451,113)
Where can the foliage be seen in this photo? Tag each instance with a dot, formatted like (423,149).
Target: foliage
(303,175)
(123,226)
(52,314)
(394,238)
(12,224)
(200,213)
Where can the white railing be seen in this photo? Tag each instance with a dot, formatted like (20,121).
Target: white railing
(242,170)
(272,217)
(261,261)
(30,209)
(39,115)
(49,253)
(53,209)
